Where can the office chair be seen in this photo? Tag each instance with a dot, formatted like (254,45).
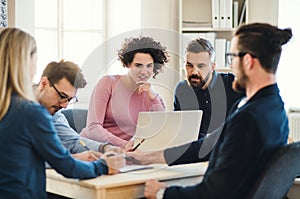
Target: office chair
(279,175)
(76,118)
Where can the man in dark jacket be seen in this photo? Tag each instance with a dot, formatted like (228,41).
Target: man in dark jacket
(205,89)
(256,127)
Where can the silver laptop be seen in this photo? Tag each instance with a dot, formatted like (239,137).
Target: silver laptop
(161,130)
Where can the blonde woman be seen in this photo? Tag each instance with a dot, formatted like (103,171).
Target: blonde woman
(27,135)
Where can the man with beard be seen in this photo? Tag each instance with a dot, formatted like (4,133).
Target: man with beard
(205,89)
(254,130)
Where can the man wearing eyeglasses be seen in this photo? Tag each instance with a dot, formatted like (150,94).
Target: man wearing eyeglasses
(205,89)
(56,90)
(255,129)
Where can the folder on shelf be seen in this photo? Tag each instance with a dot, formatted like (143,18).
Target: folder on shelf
(222,10)
(222,13)
(215,13)
(228,45)
(228,13)
(235,14)
(225,13)
(220,48)
(211,36)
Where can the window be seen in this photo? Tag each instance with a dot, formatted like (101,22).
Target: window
(67,29)
(289,69)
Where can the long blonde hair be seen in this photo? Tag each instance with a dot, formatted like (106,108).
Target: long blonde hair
(16,51)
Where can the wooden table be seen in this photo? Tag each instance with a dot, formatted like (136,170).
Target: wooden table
(294,192)
(124,185)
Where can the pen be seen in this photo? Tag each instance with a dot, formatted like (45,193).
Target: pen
(84,145)
(138,144)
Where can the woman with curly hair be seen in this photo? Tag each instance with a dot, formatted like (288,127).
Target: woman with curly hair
(117,99)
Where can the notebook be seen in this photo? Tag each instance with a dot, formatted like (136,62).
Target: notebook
(162,130)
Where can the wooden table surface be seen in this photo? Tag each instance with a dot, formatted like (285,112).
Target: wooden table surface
(124,185)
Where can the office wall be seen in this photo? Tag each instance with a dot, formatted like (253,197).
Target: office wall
(160,20)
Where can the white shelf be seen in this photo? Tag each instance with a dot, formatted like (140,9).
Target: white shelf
(208,29)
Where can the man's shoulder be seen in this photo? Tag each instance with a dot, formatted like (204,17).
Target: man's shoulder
(226,76)
(59,117)
(182,83)
(227,79)
(182,86)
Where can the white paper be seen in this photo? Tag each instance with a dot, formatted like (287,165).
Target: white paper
(134,167)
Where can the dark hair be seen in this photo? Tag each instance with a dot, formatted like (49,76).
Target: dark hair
(56,71)
(263,41)
(201,45)
(145,45)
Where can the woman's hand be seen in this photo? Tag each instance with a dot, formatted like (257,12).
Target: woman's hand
(129,145)
(146,88)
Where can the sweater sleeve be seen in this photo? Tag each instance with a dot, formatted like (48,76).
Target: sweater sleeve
(158,104)
(70,138)
(96,114)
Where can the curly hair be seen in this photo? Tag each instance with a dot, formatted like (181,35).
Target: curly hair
(146,45)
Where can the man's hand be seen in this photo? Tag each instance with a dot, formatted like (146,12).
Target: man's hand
(152,187)
(87,156)
(114,162)
(140,157)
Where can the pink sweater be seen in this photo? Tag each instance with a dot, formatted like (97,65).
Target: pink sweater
(113,111)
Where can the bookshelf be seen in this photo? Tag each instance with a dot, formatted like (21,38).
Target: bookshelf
(196,15)
(196,18)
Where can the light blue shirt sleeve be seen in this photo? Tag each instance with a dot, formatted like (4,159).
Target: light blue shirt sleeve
(70,138)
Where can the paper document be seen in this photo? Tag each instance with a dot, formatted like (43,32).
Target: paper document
(134,167)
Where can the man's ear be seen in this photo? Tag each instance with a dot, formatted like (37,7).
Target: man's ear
(44,82)
(248,61)
(213,65)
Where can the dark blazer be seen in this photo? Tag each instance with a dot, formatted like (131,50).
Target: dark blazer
(215,101)
(243,147)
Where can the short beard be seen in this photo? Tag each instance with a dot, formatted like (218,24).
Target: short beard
(239,84)
(201,83)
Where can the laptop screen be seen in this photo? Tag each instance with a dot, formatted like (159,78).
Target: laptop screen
(166,129)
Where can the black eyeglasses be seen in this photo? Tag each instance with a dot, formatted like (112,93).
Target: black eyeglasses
(230,56)
(64,98)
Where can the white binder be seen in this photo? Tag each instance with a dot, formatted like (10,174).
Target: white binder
(228,13)
(215,13)
(220,48)
(222,5)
